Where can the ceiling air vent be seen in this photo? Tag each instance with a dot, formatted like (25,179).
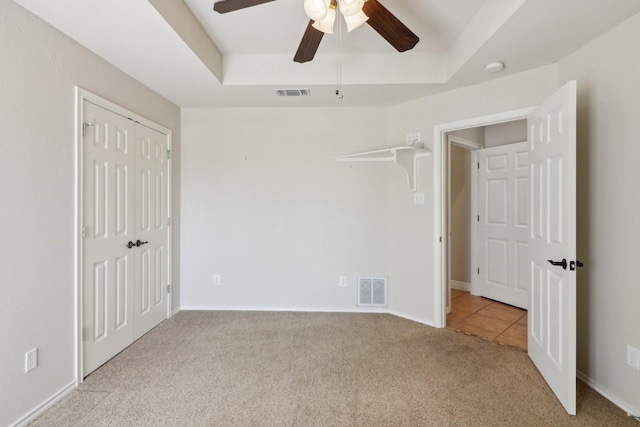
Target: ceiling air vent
(293,92)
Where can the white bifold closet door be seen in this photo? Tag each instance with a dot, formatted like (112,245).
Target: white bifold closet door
(125,178)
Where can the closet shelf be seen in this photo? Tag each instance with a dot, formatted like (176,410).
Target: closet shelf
(404,156)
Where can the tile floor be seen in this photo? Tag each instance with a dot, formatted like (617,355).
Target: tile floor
(488,319)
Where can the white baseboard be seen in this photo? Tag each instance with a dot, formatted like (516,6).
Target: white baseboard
(175,311)
(629,409)
(382,310)
(413,318)
(45,405)
(463,286)
(288,309)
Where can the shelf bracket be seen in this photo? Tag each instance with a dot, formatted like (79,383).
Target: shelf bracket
(407,161)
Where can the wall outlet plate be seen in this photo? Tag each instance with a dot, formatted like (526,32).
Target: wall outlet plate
(412,138)
(343,281)
(31,360)
(408,139)
(418,198)
(216,280)
(633,357)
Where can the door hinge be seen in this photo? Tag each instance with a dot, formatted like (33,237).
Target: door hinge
(478,218)
(167,222)
(84,127)
(478,165)
(478,270)
(84,232)
(168,289)
(440,239)
(84,334)
(168,154)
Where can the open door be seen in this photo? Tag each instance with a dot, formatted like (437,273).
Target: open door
(552,243)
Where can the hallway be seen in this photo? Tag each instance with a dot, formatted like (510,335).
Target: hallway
(491,320)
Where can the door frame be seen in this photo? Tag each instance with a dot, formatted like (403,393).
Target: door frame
(82,95)
(472,147)
(440,171)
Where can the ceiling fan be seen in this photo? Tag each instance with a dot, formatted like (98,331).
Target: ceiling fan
(375,14)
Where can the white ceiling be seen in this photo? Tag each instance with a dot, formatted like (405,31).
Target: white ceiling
(196,57)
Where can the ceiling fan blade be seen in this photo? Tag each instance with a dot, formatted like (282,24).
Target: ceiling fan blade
(225,6)
(309,44)
(389,27)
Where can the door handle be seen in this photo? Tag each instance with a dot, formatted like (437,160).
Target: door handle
(574,264)
(139,243)
(131,244)
(562,263)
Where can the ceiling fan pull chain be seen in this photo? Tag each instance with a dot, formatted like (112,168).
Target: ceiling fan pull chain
(338,64)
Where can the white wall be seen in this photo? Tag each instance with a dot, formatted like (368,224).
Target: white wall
(38,71)
(266,206)
(411,252)
(607,71)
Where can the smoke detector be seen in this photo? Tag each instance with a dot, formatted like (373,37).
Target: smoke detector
(494,67)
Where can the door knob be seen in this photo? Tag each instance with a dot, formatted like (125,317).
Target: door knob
(139,243)
(131,244)
(562,263)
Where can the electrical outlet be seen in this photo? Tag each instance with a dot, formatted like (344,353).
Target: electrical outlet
(31,360)
(416,138)
(343,281)
(418,198)
(633,357)
(408,139)
(216,280)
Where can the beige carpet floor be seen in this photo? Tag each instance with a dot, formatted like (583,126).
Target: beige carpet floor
(318,369)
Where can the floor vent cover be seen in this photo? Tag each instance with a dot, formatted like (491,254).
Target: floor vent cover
(293,92)
(372,291)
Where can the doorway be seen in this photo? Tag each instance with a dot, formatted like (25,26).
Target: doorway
(486,218)
(123,249)
(441,250)
(484,185)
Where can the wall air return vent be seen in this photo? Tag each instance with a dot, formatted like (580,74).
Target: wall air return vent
(372,291)
(293,92)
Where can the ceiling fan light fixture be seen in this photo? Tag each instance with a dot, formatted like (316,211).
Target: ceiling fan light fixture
(350,7)
(326,25)
(355,21)
(317,9)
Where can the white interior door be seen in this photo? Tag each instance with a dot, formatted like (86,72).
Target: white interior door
(503,223)
(150,207)
(125,247)
(552,237)
(108,264)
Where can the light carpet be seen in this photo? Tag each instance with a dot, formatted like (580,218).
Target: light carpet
(318,369)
